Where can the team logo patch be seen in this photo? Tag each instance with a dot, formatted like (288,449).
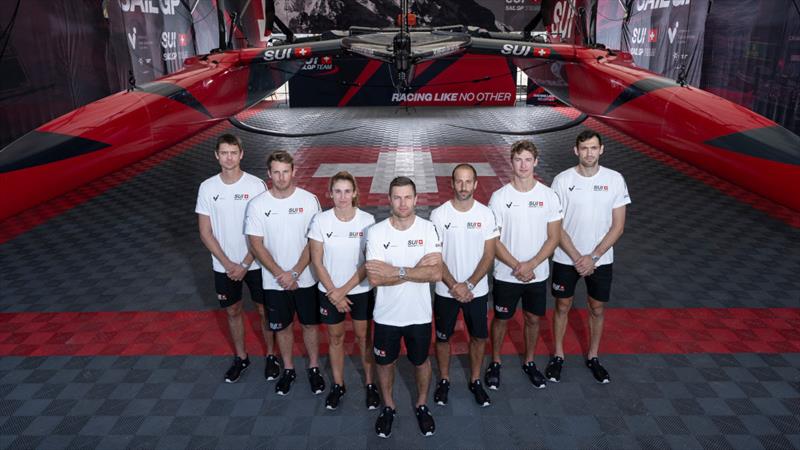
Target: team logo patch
(535,204)
(600,188)
(275,325)
(323,311)
(356,234)
(501,309)
(295,210)
(379,352)
(415,243)
(241,196)
(441,335)
(473,225)
(558,287)
(222,297)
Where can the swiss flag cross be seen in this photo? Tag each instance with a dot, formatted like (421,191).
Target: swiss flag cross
(542,52)
(183,40)
(302,52)
(326,60)
(652,36)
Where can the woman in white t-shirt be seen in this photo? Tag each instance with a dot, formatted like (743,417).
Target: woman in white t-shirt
(337,239)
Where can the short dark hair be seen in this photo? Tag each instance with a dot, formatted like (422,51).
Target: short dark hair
(402,181)
(281,156)
(585,135)
(463,166)
(524,145)
(229,139)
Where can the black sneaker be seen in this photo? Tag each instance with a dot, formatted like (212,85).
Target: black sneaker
(425,420)
(553,369)
(284,384)
(481,397)
(536,377)
(272,368)
(383,426)
(236,370)
(600,373)
(373,397)
(336,394)
(316,381)
(442,389)
(492,377)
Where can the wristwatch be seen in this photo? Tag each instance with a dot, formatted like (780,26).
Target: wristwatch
(470,286)
(595,258)
(246,266)
(295,275)
(402,273)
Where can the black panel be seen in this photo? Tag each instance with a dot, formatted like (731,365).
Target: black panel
(638,89)
(175,92)
(774,143)
(40,147)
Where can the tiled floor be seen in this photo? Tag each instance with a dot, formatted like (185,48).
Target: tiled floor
(702,342)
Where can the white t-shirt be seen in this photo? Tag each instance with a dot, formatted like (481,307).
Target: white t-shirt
(523,218)
(283,222)
(407,303)
(587,203)
(343,244)
(226,204)
(463,237)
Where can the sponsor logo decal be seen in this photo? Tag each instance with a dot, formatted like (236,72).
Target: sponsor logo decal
(386,245)
(379,352)
(600,187)
(558,287)
(302,52)
(571,188)
(508,205)
(275,325)
(222,297)
(652,36)
(295,210)
(356,234)
(447,226)
(241,196)
(329,234)
(474,225)
(441,335)
(215,197)
(501,309)
(268,213)
(323,311)
(277,55)
(415,243)
(535,204)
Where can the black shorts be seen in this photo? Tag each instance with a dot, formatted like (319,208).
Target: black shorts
(281,306)
(598,284)
(229,292)
(361,309)
(445,312)
(506,295)
(386,342)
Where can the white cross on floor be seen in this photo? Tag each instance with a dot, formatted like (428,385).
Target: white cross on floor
(418,166)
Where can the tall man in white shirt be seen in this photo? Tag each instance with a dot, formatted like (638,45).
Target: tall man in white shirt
(469,236)
(403,256)
(221,204)
(594,199)
(276,226)
(529,216)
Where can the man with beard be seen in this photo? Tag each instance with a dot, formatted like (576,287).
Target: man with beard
(594,199)
(276,225)
(469,236)
(404,254)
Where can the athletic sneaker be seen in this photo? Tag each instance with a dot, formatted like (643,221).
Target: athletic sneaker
(373,397)
(425,420)
(600,373)
(442,389)
(553,369)
(536,377)
(383,426)
(481,397)
(492,376)
(336,394)
(237,368)
(316,381)
(284,384)
(272,369)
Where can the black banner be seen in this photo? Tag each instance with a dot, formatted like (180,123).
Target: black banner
(752,57)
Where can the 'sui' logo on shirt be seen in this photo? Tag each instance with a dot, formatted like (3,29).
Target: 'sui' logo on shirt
(473,225)
(356,234)
(295,210)
(535,204)
(241,196)
(600,188)
(415,243)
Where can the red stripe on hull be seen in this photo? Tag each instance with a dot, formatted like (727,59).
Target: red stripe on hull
(627,331)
